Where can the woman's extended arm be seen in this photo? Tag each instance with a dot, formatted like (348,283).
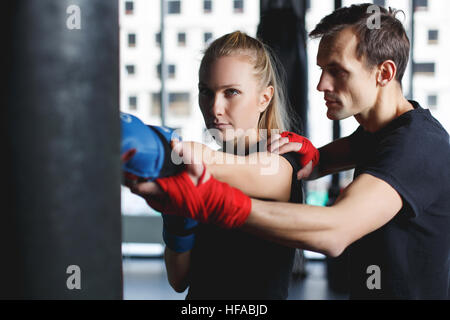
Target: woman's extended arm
(177,267)
(261,175)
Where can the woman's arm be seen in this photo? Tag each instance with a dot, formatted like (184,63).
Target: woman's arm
(177,267)
(261,175)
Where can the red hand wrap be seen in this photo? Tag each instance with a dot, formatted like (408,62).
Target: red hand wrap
(308,151)
(209,202)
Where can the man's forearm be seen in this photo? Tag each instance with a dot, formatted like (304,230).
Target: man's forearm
(335,157)
(295,225)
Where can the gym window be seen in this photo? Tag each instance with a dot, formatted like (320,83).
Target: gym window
(132,102)
(129,7)
(424,68)
(381,3)
(421,5)
(207,6)
(433,36)
(174,7)
(179,104)
(158,39)
(131,69)
(131,40)
(238,6)
(181,39)
(432,101)
(171,71)
(207,36)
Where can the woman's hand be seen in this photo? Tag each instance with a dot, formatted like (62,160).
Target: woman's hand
(151,191)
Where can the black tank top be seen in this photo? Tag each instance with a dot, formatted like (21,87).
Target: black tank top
(233,264)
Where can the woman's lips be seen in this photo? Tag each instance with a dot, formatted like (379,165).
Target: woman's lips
(221,126)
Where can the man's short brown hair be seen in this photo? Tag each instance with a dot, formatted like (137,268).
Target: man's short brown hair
(386,42)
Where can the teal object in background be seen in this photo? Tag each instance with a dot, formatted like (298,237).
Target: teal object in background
(317,198)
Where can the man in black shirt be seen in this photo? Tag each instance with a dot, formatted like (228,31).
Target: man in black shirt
(394,218)
(411,154)
(398,206)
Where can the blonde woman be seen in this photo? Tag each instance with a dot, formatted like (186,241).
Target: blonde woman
(242,101)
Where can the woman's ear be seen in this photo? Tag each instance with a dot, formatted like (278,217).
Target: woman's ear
(265,98)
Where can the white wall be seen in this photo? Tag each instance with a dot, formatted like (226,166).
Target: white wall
(145,22)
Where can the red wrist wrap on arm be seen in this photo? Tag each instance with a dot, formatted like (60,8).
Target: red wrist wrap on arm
(308,151)
(209,202)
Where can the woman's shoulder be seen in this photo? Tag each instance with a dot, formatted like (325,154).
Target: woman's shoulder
(294,160)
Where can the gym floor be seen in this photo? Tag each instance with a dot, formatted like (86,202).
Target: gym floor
(146,279)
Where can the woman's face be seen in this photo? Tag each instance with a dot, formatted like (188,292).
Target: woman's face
(230,97)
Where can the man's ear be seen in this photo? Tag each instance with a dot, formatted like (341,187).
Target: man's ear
(265,98)
(386,72)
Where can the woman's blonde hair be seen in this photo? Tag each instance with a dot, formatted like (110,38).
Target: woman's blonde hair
(267,71)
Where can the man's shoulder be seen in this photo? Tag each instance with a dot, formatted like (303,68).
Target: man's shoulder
(419,121)
(411,154)
(418,134)
(415,132)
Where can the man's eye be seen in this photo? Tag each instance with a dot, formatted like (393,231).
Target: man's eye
(337,72)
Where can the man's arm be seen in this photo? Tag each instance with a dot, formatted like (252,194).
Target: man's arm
(334,157)
(364,206)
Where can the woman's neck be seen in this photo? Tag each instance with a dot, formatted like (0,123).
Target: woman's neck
(242,145)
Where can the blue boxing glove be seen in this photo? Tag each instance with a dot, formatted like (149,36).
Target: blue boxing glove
(151,144)
(178,232)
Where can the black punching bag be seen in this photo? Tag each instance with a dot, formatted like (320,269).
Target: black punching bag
(60,227)
(282,27)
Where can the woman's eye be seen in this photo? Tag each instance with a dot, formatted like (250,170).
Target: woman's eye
(231,92)
(204,91)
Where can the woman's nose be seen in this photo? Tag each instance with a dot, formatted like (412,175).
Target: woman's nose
(217,107)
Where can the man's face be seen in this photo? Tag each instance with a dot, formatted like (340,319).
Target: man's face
(349,86)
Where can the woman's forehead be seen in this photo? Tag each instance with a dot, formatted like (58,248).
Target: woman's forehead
(229,69)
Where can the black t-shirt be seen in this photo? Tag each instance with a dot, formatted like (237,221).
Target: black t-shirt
(233,264)
(412,251)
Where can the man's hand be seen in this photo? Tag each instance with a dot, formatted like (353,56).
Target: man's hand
(281,144)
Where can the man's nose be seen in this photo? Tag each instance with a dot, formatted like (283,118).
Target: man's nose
(325,83)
